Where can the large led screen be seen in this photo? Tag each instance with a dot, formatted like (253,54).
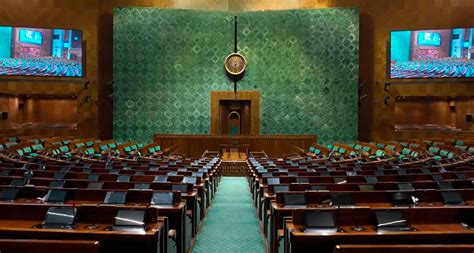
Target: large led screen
(40,52)
(446,53)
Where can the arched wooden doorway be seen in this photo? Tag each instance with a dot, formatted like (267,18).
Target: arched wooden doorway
(234,123)
(245,103)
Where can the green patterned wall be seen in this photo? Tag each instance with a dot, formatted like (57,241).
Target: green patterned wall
(304,62)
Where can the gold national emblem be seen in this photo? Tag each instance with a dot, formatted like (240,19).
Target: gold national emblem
(235,64)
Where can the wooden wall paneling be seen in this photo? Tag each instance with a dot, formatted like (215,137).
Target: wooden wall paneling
(58,14)
(196,145)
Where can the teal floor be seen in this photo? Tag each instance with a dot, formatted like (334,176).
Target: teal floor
(231,225)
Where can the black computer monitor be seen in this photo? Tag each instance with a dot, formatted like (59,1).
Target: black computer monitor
(114,172)
(160,179)
(318,188)
(405,187)
(5,172)
(123,178)
(87,170)
(141,186)
(56,184)
(402,199)
(351,173)
(56,196)
(467,218)
(437,177)
(425,171)
(302,180)
(281,188)
(115,198)
(179,187)
(273,180)
(265,174)
(18,182)
(65,169)
(341,199)
(9,193)
(60,217)
(129,219)
(318,220)
(390,220)
(401,172)
(452,198)
(371,179)
(93,177)
(298,199)
(445,185)
(366,187)
(59,175)
(340,180)
(162,198)
(461,176)
(198,174)
(95,185)
(190,180)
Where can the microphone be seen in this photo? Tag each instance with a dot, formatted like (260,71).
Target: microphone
(356,227)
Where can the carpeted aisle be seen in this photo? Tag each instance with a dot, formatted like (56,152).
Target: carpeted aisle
(231,225)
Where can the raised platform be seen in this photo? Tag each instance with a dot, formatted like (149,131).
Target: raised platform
(273,145)
(234,168)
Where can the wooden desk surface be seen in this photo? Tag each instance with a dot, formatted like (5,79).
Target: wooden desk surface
(48,246)
(300,241)
(432,248)
(18,226)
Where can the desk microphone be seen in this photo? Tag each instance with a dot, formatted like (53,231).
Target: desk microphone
(93,225)
(356,221)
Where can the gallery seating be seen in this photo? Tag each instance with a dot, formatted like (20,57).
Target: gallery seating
(86,172)
(91,223)
(349,183)
(402,177)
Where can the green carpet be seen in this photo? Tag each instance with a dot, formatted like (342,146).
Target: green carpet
(231,225)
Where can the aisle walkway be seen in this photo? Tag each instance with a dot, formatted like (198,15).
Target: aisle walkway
(231,225)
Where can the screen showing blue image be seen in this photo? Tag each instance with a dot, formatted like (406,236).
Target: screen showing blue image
(32,37)
(429,39)
(442,53)
(40,52)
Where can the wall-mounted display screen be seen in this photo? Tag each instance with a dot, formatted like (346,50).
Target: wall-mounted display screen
(429,39)
(40,52)
(445,53)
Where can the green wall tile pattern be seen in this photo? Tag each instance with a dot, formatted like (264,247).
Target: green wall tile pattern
(304,62)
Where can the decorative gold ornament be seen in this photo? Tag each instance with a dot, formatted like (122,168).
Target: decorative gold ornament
(235,64)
